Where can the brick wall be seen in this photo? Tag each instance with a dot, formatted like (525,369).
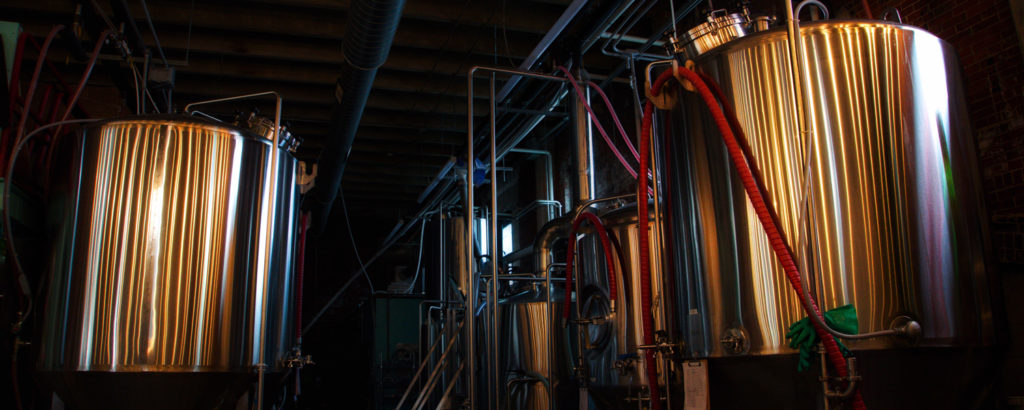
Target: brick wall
(984,34)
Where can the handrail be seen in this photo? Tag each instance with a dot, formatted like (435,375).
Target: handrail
(421,399)
(419,371)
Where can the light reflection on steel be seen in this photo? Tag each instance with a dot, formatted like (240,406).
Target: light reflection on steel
(169,264)
(893,216)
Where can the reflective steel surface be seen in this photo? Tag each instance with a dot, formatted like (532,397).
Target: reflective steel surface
(166,269)
(611,351)
(720,28)
(894,222)
(526,345)
(535,359)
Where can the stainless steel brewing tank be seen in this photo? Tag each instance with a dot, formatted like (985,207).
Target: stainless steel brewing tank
(177,269)
(532,343)
(894,217)
(615,367)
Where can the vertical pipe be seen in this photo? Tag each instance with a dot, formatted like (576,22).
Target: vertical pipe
(467,209)
(268,224)
(495,251)
(442,223)
(549,175)
(583,163)
(656,257)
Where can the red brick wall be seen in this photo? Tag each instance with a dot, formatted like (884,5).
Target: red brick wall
(984,34)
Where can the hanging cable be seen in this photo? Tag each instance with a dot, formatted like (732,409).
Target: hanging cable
(419,257)
(9,235)
(355,249)
(35,80)
(85,77)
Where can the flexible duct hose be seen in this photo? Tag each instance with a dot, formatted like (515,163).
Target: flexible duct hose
(609,260)
(762,209)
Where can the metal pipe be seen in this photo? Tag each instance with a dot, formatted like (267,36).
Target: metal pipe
(471,293)
(542,262)
(548,170)
(443,173)
(885,14)
(821,6)
(495,368)
(419,371)
(542,46)
(587,204)
(540,202)
(421,399)
(656,249)
(152,30)
(468,210)
(451,385)
(584,149)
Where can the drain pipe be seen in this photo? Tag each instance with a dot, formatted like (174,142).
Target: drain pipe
(371,29)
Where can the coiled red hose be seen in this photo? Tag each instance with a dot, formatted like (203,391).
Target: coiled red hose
(609,260)
(762,209)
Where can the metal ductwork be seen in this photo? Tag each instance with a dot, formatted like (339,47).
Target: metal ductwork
(371,28)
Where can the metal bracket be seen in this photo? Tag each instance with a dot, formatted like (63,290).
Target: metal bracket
(307,177)
(850,380)
(735,341)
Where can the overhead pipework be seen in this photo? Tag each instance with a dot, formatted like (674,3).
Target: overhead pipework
(368,37)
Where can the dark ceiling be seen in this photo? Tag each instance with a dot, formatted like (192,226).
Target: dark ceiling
(415,118)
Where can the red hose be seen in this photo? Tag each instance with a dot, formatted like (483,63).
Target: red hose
(615,118)
(867,9)
(27,106)
(647,317)
(762,209)
(609,260)
(300,270)
(597,124)
(85,77)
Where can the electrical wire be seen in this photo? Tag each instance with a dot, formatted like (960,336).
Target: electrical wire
(85,77)
(9,236)
(419,258)
(135,85)
(351,237)
(35,81)
(152,29)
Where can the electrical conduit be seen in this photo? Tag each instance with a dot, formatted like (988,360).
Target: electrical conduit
(762,209)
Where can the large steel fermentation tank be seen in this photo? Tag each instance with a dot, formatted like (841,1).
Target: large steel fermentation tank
(893,221)
(175,272)
(615,365)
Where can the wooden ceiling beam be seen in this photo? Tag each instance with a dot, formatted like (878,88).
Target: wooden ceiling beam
(535,18)
(220,29)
